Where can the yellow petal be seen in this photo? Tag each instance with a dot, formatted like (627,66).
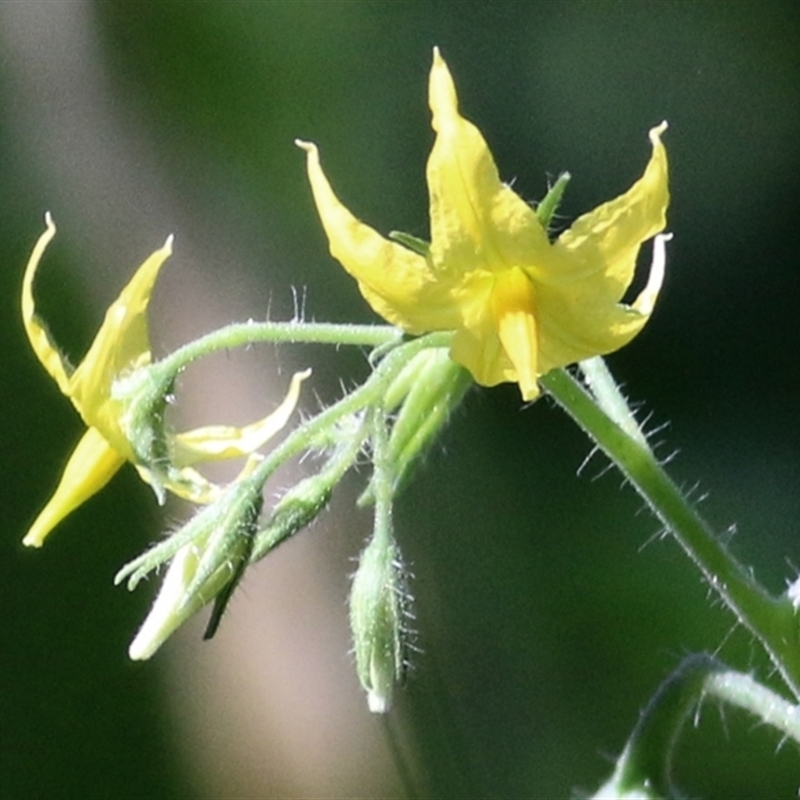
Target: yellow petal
(220,442)
(577,322)
(518,305)
(476,220)
(603,244)
(90,467)
(395,281)
(38,336)
(476,345)
(122,343)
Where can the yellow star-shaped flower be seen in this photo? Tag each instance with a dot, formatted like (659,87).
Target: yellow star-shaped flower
(121,346)
(519,304)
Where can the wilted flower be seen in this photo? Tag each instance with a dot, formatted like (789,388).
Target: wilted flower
(122,346)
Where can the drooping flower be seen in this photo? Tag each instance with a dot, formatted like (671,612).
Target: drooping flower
(519,304)
(121,346)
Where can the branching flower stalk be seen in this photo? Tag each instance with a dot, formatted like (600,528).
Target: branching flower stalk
(492,298)
(338,427)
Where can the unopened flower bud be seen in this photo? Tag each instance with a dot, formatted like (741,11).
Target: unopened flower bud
(301,504)
(378,610)
(296,509)
(206,568)
(430,387)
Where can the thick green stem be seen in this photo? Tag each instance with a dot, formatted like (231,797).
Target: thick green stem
(601,382)
(770,619)
(644,769)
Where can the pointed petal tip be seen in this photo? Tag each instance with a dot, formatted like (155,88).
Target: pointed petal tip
(33,540)
(140,650)
(48,221)
(655,133)
(42,527)
(442,97)
(309,147)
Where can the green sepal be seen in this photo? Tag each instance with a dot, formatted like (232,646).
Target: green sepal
(144,394)
(430,388)
(411,242)
(547,208)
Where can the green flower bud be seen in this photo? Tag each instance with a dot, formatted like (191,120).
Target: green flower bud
(206,567)
(378,611)
(296,509)
(430,387)
(301,504)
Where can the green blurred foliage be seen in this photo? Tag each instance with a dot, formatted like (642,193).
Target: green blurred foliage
(548,607)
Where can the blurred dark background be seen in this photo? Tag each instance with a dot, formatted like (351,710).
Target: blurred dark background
(548,611)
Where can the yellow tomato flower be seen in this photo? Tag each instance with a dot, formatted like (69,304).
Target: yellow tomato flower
(519,304)
(121,346)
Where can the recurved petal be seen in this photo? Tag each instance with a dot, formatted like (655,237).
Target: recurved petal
(90,467)
(572,327)
(122,343)
(395,281)
(220,442)
(476,220)
(38,336)
(604,243)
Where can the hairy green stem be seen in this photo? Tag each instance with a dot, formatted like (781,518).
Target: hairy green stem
(601,382)
(309,434)
(644,769)
(383,480)
(772,620)
(240,334)
(745,692)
